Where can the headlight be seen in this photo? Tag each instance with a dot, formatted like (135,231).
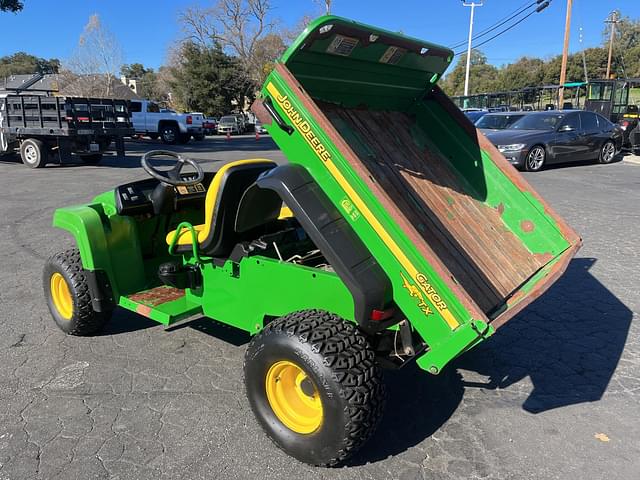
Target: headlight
(516,147)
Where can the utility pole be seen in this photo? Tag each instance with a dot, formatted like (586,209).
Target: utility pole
(565,54)
(613,21)
(584,59)
(473,6)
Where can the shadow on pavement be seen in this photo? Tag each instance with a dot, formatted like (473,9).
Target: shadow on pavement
(568,342)
(125,321)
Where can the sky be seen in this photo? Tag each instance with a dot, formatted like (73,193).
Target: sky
(146,29)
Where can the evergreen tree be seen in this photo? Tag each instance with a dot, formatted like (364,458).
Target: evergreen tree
(209,81)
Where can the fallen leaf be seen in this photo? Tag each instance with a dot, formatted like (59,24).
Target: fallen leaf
(602,437)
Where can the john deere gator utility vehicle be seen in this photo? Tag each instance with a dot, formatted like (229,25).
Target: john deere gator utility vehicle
(396,232)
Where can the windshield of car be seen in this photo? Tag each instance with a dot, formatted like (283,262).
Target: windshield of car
(228,120)
(547,121)
(474,116)
(498,122)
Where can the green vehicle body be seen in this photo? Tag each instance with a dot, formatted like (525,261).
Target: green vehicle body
(246,294)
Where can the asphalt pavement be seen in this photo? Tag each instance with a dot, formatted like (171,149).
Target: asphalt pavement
(555,394)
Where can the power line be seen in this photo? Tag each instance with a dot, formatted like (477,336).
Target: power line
(498,24)
(537,10)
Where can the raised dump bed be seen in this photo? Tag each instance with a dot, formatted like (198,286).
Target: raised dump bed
(460,234)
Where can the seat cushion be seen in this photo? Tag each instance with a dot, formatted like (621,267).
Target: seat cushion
(184,237)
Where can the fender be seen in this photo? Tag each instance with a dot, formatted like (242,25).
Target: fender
(109,247)
(325,225)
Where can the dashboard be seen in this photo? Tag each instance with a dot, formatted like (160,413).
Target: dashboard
(135,198)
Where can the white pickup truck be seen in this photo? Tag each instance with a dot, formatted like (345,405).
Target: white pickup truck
(171,127)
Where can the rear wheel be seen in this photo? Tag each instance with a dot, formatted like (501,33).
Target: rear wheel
(33,153)
(607,152)
(68,297)
(535,159)
(169,134)
(314,386)
(199,137)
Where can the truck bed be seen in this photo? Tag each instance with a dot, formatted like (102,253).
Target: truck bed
(467,236)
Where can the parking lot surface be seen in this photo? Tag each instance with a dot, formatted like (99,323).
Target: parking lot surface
(555,394)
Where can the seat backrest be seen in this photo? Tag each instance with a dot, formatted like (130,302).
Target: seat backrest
(221,205)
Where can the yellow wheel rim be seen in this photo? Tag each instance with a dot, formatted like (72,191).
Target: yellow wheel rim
(293,397)
(61,296)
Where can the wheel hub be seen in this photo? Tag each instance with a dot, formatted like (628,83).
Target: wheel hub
(30,153)
(293,397)
(61,296)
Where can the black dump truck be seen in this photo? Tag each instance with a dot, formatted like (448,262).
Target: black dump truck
(52,129)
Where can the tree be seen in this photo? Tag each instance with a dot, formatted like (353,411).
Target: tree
(625,62)
(326,4)
(146,79)
(24,63)
(483,76)
(11,5)
(135,70)
(207,80)
(92,69)
(526,72)
(243,28)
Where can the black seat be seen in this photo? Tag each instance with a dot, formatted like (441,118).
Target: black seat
(217,236)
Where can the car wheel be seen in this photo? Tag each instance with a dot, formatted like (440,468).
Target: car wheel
(314,386)
(535,159)
(198,137)
(169,134)
(33,153)
(66,289)
(607,152)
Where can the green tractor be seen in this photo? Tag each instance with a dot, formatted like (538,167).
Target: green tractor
(395,233)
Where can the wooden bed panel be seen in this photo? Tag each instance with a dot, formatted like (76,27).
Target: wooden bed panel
(468,236)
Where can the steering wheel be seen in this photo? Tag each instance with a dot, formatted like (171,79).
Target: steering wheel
(171,176)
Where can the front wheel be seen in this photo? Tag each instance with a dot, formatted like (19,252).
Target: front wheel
(66,290)
(607,152)
(314,386)
(535,159)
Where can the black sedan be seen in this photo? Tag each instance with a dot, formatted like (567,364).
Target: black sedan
(498,121)
(475,115)
(543,138)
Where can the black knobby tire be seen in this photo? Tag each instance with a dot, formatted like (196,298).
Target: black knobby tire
(607,152)
(84,320)
(339,361)
(91,159)
(169,134)
(34,153)
(535,159)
